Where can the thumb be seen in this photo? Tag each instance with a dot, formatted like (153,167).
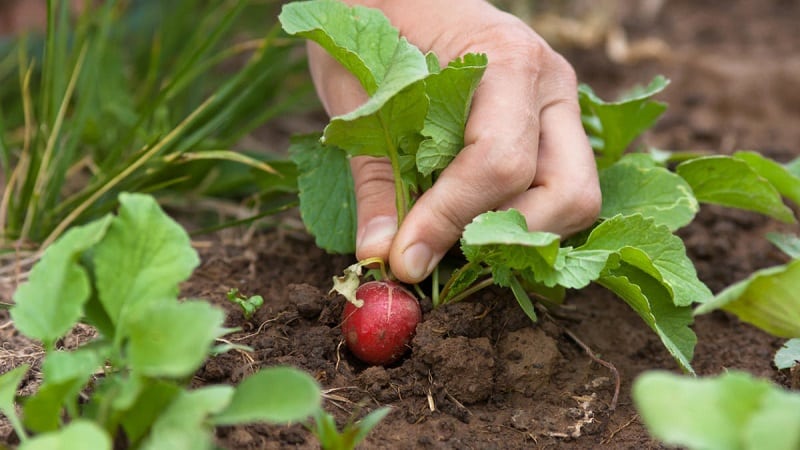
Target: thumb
(377,214)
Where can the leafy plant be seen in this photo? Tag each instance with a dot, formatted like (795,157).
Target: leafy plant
(415,117)
(121,275)
(249,305)
(138,96)
(732,411)
(329,436)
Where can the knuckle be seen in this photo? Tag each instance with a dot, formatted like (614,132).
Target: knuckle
(585,200)
(510,168)
(373,179)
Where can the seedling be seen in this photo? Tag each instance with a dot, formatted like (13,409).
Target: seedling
(330,438)
(121,274)
(249,305)
(415,118)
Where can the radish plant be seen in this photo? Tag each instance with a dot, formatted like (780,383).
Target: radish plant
(415,117)
(121,275)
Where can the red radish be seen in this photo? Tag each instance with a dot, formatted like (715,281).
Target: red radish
(379,331)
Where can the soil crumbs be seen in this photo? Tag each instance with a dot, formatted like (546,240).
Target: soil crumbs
(479,375)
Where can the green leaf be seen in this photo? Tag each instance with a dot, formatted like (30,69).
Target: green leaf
(787,183)
(461,279)
(379,126)
(664,250)
(787,243)
(450,92)
(502,238)
(65,375)
(767,299)
(50,303)
(274,395)
(9,382)
(389,68)
(650,299)
(729,412)
(523,299)
(629,187)
(360,39)
(183,424)
(153,396)
(365,425)
(612,126)
(172,339)
(79,434)
(143,258)
(731,182)
(788,355)
(327,195)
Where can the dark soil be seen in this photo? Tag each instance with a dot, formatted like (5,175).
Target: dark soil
(479,374)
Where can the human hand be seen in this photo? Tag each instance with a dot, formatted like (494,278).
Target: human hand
(525,147)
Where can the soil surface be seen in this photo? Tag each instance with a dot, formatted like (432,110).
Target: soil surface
(479,374)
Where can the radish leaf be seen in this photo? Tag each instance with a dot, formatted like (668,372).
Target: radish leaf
(87,434)
(52,301)
(276,394)
(327,196)
(450,92)
(631,187)
(612,126)
(766,299)
(158,257)
(731,411)
(732,182)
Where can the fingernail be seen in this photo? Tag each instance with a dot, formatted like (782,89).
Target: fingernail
(378,230)
(417,258)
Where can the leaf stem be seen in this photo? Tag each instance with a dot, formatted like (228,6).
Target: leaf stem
(471,290)
(400,194)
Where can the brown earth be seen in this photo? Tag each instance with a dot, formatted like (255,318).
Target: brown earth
(479,375)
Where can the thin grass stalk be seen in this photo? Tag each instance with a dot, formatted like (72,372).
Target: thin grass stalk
(110,184)
(15,185)
(43,176)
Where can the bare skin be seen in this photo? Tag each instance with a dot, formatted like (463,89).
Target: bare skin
(525,147)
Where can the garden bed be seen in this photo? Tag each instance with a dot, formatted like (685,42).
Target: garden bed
(479,375)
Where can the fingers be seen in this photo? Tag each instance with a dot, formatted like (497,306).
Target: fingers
(377,214)
(497,163)
(565,197)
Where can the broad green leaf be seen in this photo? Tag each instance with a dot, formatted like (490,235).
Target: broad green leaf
(767,299)
(787,243)
(143,258)
(183,425)
(793,167)
(731,182)
(9,382)
(653,191)
(172,339)
(450,92)
(274,395)
(574,268)
(390,69)
(729,412)
(361,39)
(380,126)
(612,126)
(327,196)
(788,355)
(665,251)
(65,375)
(152,399)
(787,183)
(502,238)
(648,297)
(78,435)
(51,302)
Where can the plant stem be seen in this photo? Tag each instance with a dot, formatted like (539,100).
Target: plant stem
(435,286)
(471,290)
(400,194)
